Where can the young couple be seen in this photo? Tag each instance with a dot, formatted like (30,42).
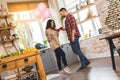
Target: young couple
(73,36)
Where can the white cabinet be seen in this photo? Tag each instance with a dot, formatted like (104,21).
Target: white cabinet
(70,55)
(48,60)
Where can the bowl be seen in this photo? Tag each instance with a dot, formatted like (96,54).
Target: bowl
(27,68)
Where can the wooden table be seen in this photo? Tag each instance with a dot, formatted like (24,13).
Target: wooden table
(15,62)
(112,46)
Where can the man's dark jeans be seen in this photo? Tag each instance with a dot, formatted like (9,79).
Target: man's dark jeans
(76,49)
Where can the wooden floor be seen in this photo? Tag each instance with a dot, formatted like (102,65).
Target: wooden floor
(99,69)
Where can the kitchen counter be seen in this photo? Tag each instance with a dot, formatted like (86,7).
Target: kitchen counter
(44,49)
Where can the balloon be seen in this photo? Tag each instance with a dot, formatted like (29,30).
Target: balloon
(46,14)
(41,7)
(36,13)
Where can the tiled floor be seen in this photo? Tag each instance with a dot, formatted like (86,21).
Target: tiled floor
(99,69)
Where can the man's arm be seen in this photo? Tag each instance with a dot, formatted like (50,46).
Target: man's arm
(73,34)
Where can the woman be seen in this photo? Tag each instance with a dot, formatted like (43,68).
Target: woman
(52,36)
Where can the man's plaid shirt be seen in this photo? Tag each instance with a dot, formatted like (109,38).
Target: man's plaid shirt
(70,24)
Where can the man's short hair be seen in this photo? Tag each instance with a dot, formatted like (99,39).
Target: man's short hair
(62,9)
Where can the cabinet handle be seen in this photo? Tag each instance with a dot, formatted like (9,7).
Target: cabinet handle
(43,51)
(67,47)
(4,66)
(26,60)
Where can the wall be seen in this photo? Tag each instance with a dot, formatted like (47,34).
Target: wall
(95,48)
(4,2)
(102,8)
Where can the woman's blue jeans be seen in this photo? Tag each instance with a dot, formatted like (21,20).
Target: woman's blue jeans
(76,49)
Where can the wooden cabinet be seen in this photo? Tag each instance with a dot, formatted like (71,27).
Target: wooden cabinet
(7,66)
(16,62)
(26,61)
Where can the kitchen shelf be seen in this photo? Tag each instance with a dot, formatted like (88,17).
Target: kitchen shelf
(87,19)
(6,28)
(84,7)
(21,75)
(31,72)
(5,15)
(9,40)
(5,32)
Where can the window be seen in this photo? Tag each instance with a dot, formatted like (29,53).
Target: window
(90,25)
(29,30)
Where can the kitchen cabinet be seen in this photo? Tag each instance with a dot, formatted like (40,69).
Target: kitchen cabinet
(48,59)
(70,55)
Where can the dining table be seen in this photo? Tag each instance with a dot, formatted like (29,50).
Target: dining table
(112,47)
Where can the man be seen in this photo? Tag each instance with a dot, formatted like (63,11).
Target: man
(73,36)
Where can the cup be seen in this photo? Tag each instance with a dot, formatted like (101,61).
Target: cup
(4,38)
(14,35)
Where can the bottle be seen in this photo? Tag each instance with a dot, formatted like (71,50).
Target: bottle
(86,35)
(89,33)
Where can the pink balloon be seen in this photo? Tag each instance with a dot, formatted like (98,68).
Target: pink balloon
(41,7)
(36,13)
(46,14)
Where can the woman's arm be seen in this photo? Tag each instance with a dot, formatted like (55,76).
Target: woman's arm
(61,28)
(48,36)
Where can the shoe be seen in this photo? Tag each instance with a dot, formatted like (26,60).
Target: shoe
(67,70)
(61,72)
(87,63)
(81,68)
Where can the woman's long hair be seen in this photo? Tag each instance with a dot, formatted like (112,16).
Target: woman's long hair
(49,24)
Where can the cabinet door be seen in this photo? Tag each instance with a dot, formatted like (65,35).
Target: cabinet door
(7,66)
(53,58)
(48,60)
(26,61)
(70,55)
(65,49)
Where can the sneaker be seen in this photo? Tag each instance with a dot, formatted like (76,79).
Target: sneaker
(81,68)
(67,70)
(61,72)
(87,63)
